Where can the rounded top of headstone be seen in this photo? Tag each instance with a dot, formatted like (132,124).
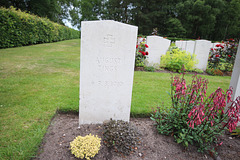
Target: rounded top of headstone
(110,22)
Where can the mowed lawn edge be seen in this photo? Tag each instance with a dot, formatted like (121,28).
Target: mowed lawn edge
(37,80)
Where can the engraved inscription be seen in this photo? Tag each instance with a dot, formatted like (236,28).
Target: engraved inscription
(109,60)
(108,83)
(108,64)
(107,68)
(109,40)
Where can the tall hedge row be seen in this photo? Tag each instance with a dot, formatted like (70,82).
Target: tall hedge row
(19,28)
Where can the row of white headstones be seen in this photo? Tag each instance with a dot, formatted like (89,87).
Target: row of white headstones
(158,46)
(107,69)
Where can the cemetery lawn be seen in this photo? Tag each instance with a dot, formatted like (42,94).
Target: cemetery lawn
(37,80)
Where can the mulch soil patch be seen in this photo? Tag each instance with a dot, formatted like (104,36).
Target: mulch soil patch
(64,128)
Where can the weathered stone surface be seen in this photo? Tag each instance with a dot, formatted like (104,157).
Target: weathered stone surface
(106,70)
(158,46)
(235,79)
(202,48)
(190,46)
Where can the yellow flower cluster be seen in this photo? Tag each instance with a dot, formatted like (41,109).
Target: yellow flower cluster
(85,147)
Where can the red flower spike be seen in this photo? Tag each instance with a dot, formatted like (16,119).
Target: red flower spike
(146,53)
(217,55)
(143,53)
(229,56)
(136,46)
(146,45)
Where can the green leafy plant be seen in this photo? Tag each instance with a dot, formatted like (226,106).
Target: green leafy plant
(194,117)
(121,136)
(149,68)
(141,53)
(197,70)
(85,147)
(175,59)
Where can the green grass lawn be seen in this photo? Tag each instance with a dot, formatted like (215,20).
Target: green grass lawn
(37,80)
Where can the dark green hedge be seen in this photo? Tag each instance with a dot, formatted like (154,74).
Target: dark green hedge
(19,28)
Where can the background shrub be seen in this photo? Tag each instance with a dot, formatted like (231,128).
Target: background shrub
(19,28)
(175,59)
(149,69)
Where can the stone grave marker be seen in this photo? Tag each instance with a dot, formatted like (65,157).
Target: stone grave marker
(202,48)
(158,46)
(178,43)
(154,49)
(106,70)
(190,46)
(235,79)
(165,44)
(183,46)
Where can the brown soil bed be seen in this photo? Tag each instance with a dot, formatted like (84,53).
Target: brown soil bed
(64,128)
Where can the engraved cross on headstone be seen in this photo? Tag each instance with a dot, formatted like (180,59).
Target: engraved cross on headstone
(109,40)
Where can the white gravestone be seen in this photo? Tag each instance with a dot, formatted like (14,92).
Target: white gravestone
(190,46)
(158,46)
(183,47)
(202,48)
(106,71)
(235,79)
(165,44)
(178,43)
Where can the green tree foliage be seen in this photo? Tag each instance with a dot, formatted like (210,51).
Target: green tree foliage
(119,10)
(206,19)
(199,16)
(84,10)
(149,14)
(228,21)
(175,28)
(44,8)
